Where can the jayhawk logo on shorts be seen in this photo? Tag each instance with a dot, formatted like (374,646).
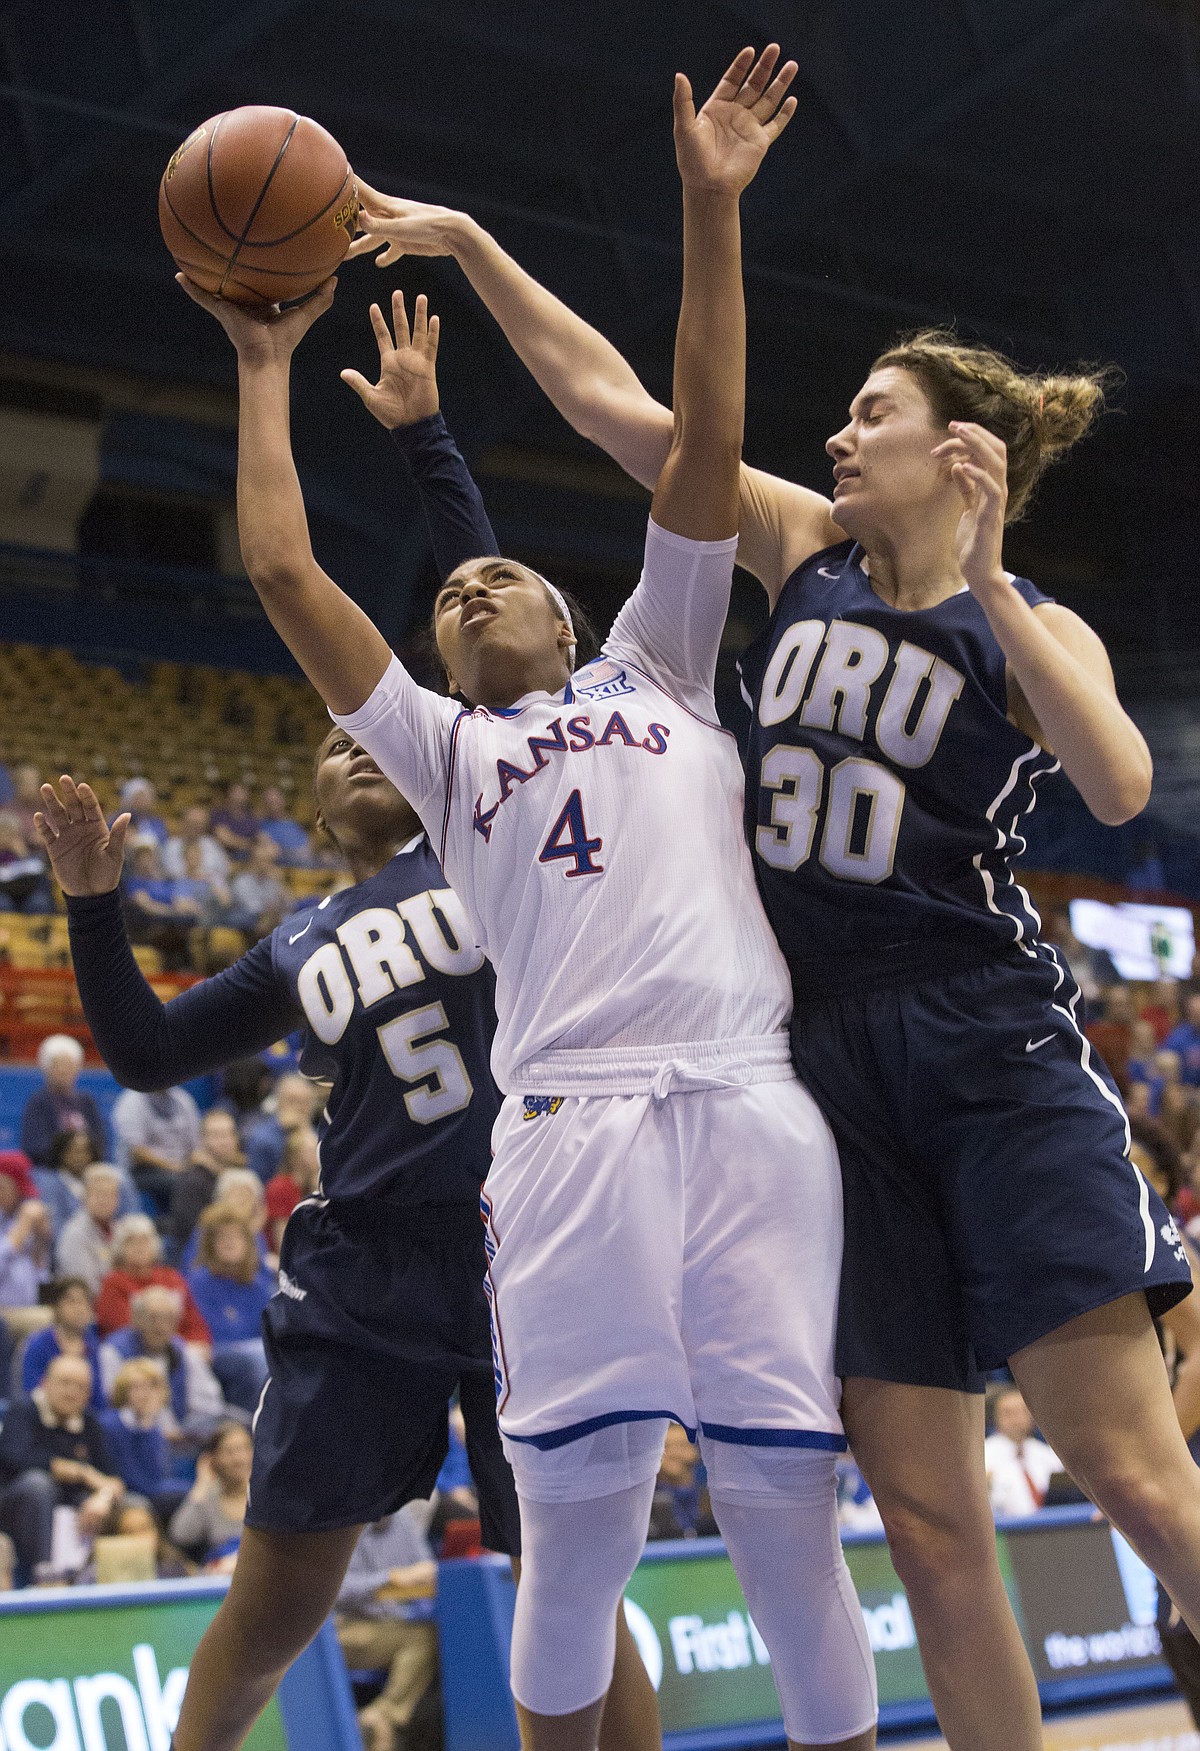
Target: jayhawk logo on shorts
(537,1104)
(1170,1234)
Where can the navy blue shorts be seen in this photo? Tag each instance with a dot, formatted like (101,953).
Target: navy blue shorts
(379,1319)
(989,1197)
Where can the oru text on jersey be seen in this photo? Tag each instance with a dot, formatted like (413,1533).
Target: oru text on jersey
(886,786)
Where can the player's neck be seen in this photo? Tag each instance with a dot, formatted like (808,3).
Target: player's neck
(504,682)
(913,568)
(368,857)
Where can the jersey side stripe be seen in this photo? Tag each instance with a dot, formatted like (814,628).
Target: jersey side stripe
(1067,1009)
(989,886)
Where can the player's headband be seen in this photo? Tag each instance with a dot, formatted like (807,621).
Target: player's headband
(564,613)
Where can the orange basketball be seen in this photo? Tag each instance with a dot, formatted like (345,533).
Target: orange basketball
(258,205)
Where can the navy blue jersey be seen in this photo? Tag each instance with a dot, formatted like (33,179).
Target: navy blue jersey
(397,1007)
(885,784)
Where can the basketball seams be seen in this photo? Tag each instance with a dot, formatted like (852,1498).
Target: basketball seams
(262,193)
(290,236)
(231,261)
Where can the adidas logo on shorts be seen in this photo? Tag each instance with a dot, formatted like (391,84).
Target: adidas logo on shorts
(537,1104)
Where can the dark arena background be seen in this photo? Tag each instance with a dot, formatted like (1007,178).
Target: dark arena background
(1026,170)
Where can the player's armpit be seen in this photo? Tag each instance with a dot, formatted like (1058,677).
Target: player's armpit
(781,526)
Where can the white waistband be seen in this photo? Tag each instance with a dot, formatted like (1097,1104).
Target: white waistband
(682,1067)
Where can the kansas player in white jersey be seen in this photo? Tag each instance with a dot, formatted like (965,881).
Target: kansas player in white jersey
(895,661)
(663,1205)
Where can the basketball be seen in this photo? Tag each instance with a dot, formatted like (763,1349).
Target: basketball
(258,205)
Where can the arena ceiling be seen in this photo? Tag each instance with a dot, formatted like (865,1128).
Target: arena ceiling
(1028,168)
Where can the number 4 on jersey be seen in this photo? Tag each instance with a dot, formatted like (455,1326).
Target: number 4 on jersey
(569,839)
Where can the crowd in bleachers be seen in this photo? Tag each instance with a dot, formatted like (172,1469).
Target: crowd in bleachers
(133,1275)
(213,768)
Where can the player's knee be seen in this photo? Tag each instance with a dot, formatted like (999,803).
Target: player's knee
(576,1560)
(1141,1502)
(936,1544)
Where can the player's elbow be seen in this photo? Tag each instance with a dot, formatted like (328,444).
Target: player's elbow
(1124,799)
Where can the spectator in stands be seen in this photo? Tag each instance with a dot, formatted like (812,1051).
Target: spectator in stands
(26,1244)
(245,1085)
(137,1266)
(84,1247)
(1160,1004)
(1185,1039)
(196,1401)
(26,800)
(681,1508)
(156,1136)
(234,824)
(154,912)
(53,1454)
(294,1100)
(1140,1066)
(289,835)
(197,895)
(139,797)
(8,1563)
(1019,1465)
(290,731)
(60,1183)
(299,1173)
(193,831)
(1110,1033)
(259,898)
(208,1523)
(133,1519)
(59,1104)
(397,1630)
(24,878)
(231,1287)
(217,1150)
(241,1191)
(135,1422)
(72,1332)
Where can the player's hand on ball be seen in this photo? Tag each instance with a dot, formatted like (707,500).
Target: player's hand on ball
(401,227)
(85,853)
(720,148)
(407,388)
(263,332)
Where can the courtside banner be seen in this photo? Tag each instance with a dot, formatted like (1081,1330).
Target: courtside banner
(104,1669)
(1084,1603)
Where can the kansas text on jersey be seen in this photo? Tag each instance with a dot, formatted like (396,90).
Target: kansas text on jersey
(594,836)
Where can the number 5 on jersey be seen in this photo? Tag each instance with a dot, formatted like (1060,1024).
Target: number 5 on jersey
(568,839)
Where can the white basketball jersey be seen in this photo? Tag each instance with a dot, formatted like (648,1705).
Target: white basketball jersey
(595,837)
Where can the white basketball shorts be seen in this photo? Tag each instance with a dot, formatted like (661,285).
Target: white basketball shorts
(662,1257)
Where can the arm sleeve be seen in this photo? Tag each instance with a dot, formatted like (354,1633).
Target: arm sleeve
(406,730)
(672,624)
(453,506)
(148,1044)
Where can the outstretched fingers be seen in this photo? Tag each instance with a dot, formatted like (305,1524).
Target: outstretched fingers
(755,82)
(383,334)
(734,76)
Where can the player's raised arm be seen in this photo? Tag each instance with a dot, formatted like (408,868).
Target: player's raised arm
(592,386)
(341,652)
(718,152)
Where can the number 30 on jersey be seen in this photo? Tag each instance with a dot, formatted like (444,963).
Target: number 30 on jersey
(863,805)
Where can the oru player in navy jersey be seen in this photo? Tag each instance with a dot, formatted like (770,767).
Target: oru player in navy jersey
(908,694)
(380,1314)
